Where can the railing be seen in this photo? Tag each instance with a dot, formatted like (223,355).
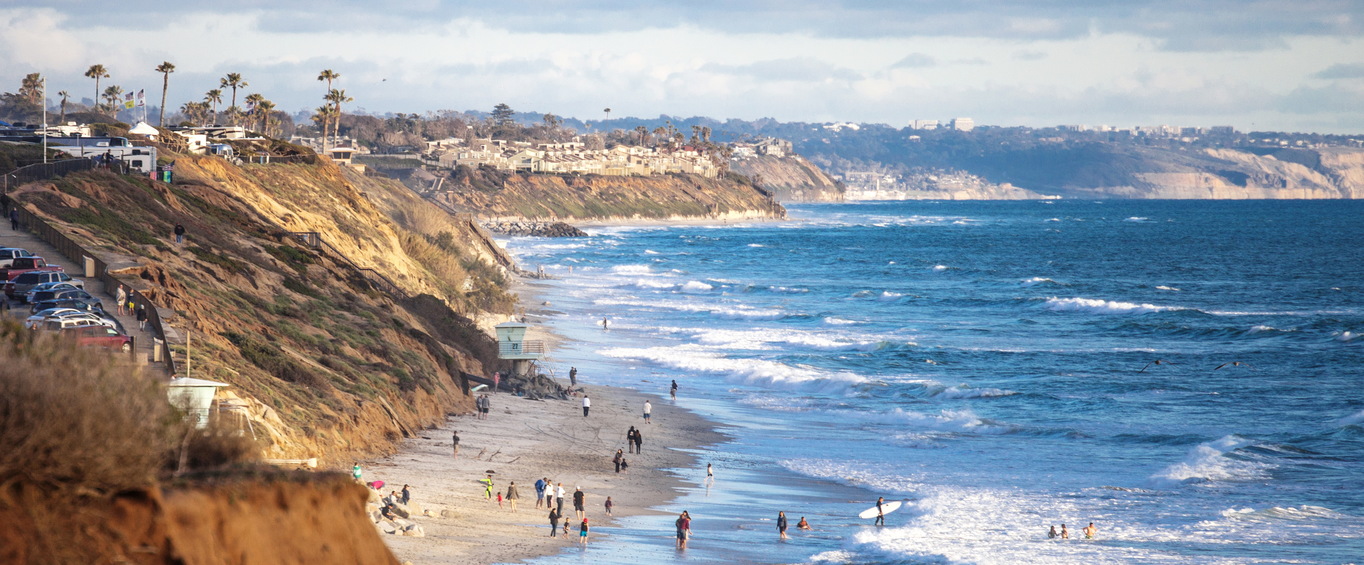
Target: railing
(516,348)
(77,255)
(272,159)
(44,171)
(314,240)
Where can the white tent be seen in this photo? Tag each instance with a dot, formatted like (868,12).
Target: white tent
(143,128)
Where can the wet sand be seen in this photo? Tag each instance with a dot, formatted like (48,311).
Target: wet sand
(524,440)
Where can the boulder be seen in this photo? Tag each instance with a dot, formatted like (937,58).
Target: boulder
(447,514)
(387,527)
(415,531)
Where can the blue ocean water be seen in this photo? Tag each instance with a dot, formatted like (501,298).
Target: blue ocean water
(1189,376)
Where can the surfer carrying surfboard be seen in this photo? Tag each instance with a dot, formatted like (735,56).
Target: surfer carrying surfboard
(880,511)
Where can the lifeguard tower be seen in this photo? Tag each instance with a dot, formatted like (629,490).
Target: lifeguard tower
(194,397)
(512,345)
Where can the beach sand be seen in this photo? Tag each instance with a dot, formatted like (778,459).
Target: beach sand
(524,440)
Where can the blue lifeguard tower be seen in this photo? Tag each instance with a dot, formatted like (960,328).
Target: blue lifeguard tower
(512,345)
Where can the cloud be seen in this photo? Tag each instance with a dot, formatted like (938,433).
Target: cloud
(794,69)
(915,60)
(1341,71)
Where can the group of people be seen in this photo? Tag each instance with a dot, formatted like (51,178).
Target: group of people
(552,497)
(781,524)
(1090,531)
(484,404)
(634,440)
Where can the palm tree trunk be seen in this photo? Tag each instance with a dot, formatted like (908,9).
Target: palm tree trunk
(165,83)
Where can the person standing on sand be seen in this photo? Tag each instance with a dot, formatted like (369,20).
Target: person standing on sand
(582,532)
(406,495)
(648,411)
(587,405)
(487,488)
(560,499)
(608,506)
(639,441)
(673,392)
(572,376)
(513,495)
(617,459)
(356,473)
(781,524)
(454,440)
(553,522)
(539,493)
(630,439)
(580,502)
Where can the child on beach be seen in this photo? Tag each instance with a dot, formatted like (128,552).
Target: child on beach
(608,506)
(582,532)
(499,499)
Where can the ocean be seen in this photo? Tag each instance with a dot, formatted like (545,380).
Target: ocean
(1187,375)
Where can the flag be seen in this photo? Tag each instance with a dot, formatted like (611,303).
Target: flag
(128,101)
(141,97)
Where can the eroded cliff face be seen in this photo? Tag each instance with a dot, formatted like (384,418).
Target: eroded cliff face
(790,179)
(498,195)
(326,359)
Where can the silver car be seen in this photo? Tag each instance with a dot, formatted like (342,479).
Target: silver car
(67,317)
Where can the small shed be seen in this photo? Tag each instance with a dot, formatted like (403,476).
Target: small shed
(194,397)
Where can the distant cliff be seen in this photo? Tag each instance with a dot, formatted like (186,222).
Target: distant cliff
(498,195)
(790,179)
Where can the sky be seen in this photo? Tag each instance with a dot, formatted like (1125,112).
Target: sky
(1256,65)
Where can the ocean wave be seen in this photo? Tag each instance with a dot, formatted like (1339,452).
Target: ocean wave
(1209,462)
(756,245)
(696,286)
(1356,419)
(749,371)
(1038,280)
(760,339)
(737,311)
(1346,336)
(941,268)
(788,290)
(632,269)
(888,296)
(967,391)
(832,321)
(1277,513)
(1167,288)
(1104,306)
(1137,219)
(853,473)
(650,252)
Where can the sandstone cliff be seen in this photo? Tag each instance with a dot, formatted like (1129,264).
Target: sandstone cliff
(337,346)
(791,178)
(499,195)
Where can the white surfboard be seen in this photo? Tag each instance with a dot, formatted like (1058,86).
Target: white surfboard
(886,508)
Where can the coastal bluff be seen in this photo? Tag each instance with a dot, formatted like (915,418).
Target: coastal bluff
(791,178)
(497,195)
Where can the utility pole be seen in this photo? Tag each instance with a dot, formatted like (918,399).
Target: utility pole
(44,120)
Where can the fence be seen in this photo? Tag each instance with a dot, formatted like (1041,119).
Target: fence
(314,240)
(44,171)
(77,255)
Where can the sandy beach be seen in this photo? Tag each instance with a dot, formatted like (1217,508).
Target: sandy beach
(524,440)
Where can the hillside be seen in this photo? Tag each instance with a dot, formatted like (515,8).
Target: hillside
(330,360)
(497,194)
(790,178)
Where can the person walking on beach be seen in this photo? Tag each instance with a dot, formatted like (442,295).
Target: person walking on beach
(639,441)
(580,502)
(487,488)
(356,472)
(881,514)
(553,522)
(121,296)
(608,506)
(630,439)
(1090,531)
(683,529)
(582,533)
(648,411)
(587,405)
(781,524)
(179,233)
(572,376)
(617,459)
(710,475)
(513,495)
(454,441)
(673,392)
(406,495)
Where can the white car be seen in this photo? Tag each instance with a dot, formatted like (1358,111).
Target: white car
(8,254)
(66,317)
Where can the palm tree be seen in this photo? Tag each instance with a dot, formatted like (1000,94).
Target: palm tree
(660,133)
(323,117)
(329,76)
(233,81)
(608,117)
(643,133)
(165,68)
(64,94)
(705,134)
(195,112)
(214,97)
(251,101)
(112,95)
(337,98)
(263,108)
(97,72)
(31,88)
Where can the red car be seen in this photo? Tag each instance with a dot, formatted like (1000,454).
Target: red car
(21,265)
(99,336)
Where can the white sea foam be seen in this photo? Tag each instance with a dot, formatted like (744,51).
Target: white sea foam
(750,371)
(966,391)
(650,252)
(764,338)
(756,245)
(737,311)
(788,290)
(940,268)
(1209,462)
(1103,306)
(696,286)
(631,269)
(1167,288)
(1038,280)
(1137,219)
(1277,514)
(1346,336)
(832,321)
(888,296)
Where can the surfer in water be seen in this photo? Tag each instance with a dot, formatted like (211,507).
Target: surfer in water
(1090,530)
(802,524)
(880,512)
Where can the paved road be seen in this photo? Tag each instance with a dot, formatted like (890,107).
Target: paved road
(25,240)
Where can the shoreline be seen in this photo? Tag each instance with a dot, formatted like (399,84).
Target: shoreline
(524,440)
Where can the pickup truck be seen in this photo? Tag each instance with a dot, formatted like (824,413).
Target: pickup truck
(21,265)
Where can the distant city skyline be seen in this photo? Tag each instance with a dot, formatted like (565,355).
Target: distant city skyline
(1263,65)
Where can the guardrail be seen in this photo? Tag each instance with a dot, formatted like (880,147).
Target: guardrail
(314,240)
(533,347)
(44,171)
(78,255)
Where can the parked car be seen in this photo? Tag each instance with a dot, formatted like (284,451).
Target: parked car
(99,336)
(21,265)
(78,299)
(47,291)
(38,321)
(19,285)
(8,254)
